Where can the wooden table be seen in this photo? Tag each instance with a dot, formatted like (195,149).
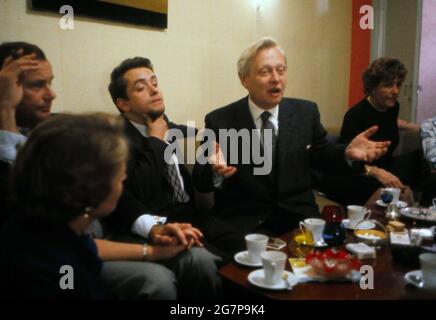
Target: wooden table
(389,281)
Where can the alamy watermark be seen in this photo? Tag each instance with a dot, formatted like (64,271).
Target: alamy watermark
(66,282)
(242,146)
(366,281)
(67,20)
(367,20)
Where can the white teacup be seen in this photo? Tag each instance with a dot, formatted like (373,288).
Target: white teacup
(316,226)
(357,214)
(273,266)
(428,269)
(433,233)
(433,207)
(395,192)
(256,244)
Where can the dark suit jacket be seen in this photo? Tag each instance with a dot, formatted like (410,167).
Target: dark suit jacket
(146,189)
(247,200)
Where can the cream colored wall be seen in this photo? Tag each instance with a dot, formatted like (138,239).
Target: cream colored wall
(195,58)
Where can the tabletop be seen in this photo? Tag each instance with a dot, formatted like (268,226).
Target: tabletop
(389,277)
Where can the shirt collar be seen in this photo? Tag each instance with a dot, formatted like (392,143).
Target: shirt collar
(257,111)
(141,128)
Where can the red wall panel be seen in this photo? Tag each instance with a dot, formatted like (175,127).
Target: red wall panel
(360,53)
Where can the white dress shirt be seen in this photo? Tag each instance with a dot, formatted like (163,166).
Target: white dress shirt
(256,113)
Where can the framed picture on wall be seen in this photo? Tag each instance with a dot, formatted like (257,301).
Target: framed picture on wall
(140,12)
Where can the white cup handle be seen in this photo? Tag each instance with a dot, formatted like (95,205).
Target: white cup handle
(367,214)
(303,226)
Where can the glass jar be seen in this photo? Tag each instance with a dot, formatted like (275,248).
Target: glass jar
(334,231)
(301,243)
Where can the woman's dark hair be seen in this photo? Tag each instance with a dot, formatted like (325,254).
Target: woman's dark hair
(118,85)
(68,164)
(383,70)
(11,48)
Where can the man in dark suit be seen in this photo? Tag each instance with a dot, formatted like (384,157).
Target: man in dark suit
(275,202)
(157,189)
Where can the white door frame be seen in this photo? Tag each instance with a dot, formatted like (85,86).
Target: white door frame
(378,33)
(378,36)
(416,88)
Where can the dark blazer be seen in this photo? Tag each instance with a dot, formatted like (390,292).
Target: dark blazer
(247,200)
(146,189)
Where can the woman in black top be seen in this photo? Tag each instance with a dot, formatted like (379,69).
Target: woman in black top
(69,173)
(382,84)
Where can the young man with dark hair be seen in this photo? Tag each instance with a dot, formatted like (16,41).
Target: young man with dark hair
(157,191)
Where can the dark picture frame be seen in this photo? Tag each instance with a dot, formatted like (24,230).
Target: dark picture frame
(125,12)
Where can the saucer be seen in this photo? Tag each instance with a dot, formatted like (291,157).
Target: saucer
(320,244)
(257,278)
(411,277)
(242,258)
(363,226)
(422,214)
(400,204)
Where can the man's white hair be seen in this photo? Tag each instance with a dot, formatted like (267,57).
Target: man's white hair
(248,54)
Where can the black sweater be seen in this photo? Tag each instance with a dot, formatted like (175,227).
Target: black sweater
(362,116)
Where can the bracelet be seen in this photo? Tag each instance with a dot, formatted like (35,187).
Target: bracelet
(368,170)
(144,251)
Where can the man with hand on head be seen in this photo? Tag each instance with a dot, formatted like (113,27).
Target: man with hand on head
(25,100)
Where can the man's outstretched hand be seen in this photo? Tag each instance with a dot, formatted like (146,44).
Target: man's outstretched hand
(363,149)
(219,164)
